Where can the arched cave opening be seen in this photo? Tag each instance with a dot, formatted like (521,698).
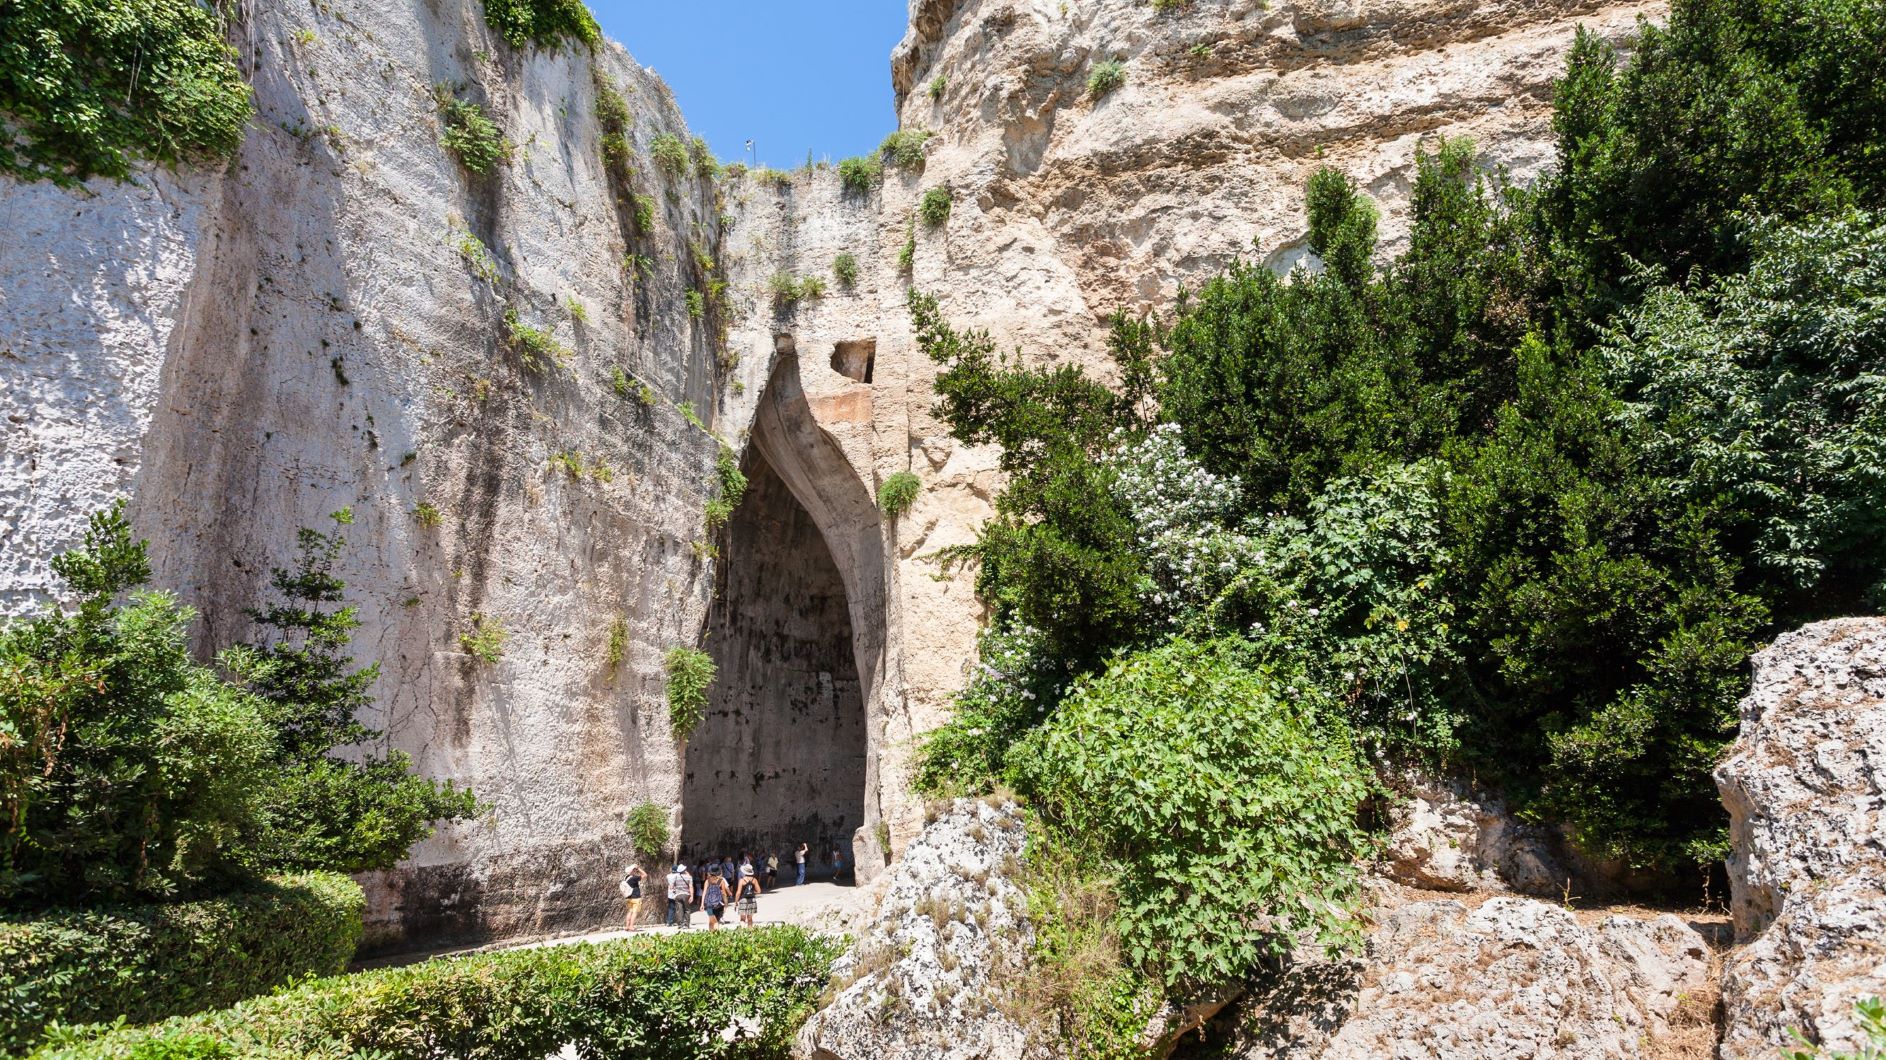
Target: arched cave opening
(780,757)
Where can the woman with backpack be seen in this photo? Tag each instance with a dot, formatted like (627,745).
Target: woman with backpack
(746,895)
(714,897)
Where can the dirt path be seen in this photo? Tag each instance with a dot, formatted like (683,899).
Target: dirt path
(817,905)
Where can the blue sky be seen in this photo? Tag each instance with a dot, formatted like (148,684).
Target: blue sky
(790,76)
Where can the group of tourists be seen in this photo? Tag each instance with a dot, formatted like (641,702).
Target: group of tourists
(716,886)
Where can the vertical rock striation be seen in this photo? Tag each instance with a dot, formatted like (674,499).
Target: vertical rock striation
(323,323)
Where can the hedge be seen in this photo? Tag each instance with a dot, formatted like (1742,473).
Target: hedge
(726,995)
(146,963)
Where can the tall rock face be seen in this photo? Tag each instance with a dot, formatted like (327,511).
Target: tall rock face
(330,322)
(342,315)
(1805,786)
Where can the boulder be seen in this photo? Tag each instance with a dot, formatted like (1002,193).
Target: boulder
(1451,836)
(1805,785)
(1513,979)
(917,986)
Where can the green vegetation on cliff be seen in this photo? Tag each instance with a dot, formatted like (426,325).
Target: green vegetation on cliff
(1521,501)
(89,87)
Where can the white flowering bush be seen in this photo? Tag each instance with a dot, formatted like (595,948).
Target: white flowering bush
(1350,591)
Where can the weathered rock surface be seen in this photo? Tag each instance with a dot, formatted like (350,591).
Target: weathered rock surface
(917,986)
(1806,790)
(321,324)
(1513,979)
(1451,836)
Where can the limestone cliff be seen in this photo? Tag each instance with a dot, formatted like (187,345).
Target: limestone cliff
(323,323)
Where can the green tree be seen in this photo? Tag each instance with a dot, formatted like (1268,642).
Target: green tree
(1772,105)
(323,810)
(125,768)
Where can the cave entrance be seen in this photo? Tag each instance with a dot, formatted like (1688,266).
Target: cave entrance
(783,755)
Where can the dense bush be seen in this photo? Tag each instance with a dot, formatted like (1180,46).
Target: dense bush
(1513,501)
(1773,106)
(727,994)
(647,826)
(904,148)
(89,86)
(934,208)
(546,23)
(127,769)
(1222,792)
(845,268)
(1107,75)
(670,154)
(147,963)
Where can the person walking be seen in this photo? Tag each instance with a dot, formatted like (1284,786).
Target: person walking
(838,864)
(798,858)
(714,897)
(747,895)
(772,870)
(630,887)
(680,897)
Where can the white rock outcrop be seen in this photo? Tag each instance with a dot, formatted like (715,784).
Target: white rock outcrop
(918,984)
(1513,979)
(1452,836)
(1806,790)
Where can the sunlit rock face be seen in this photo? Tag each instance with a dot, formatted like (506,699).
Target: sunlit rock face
(322,324)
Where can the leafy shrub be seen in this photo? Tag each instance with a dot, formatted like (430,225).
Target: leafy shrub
(546,23)
(126,767)
(1106,75)
(705,164)
(907,254)
(1764,388)
(469,133)
(935,206)
(647,826)
(690,672)
(1259,770)
(89,86)
(845,267)
(426,514)
(904,148)
(731,485)
(484,641)
(670,154)
(898,492)
(938,85)
(860,174)
(146,963)
(688,996)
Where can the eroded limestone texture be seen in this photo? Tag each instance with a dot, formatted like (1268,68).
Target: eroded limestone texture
(780,757)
